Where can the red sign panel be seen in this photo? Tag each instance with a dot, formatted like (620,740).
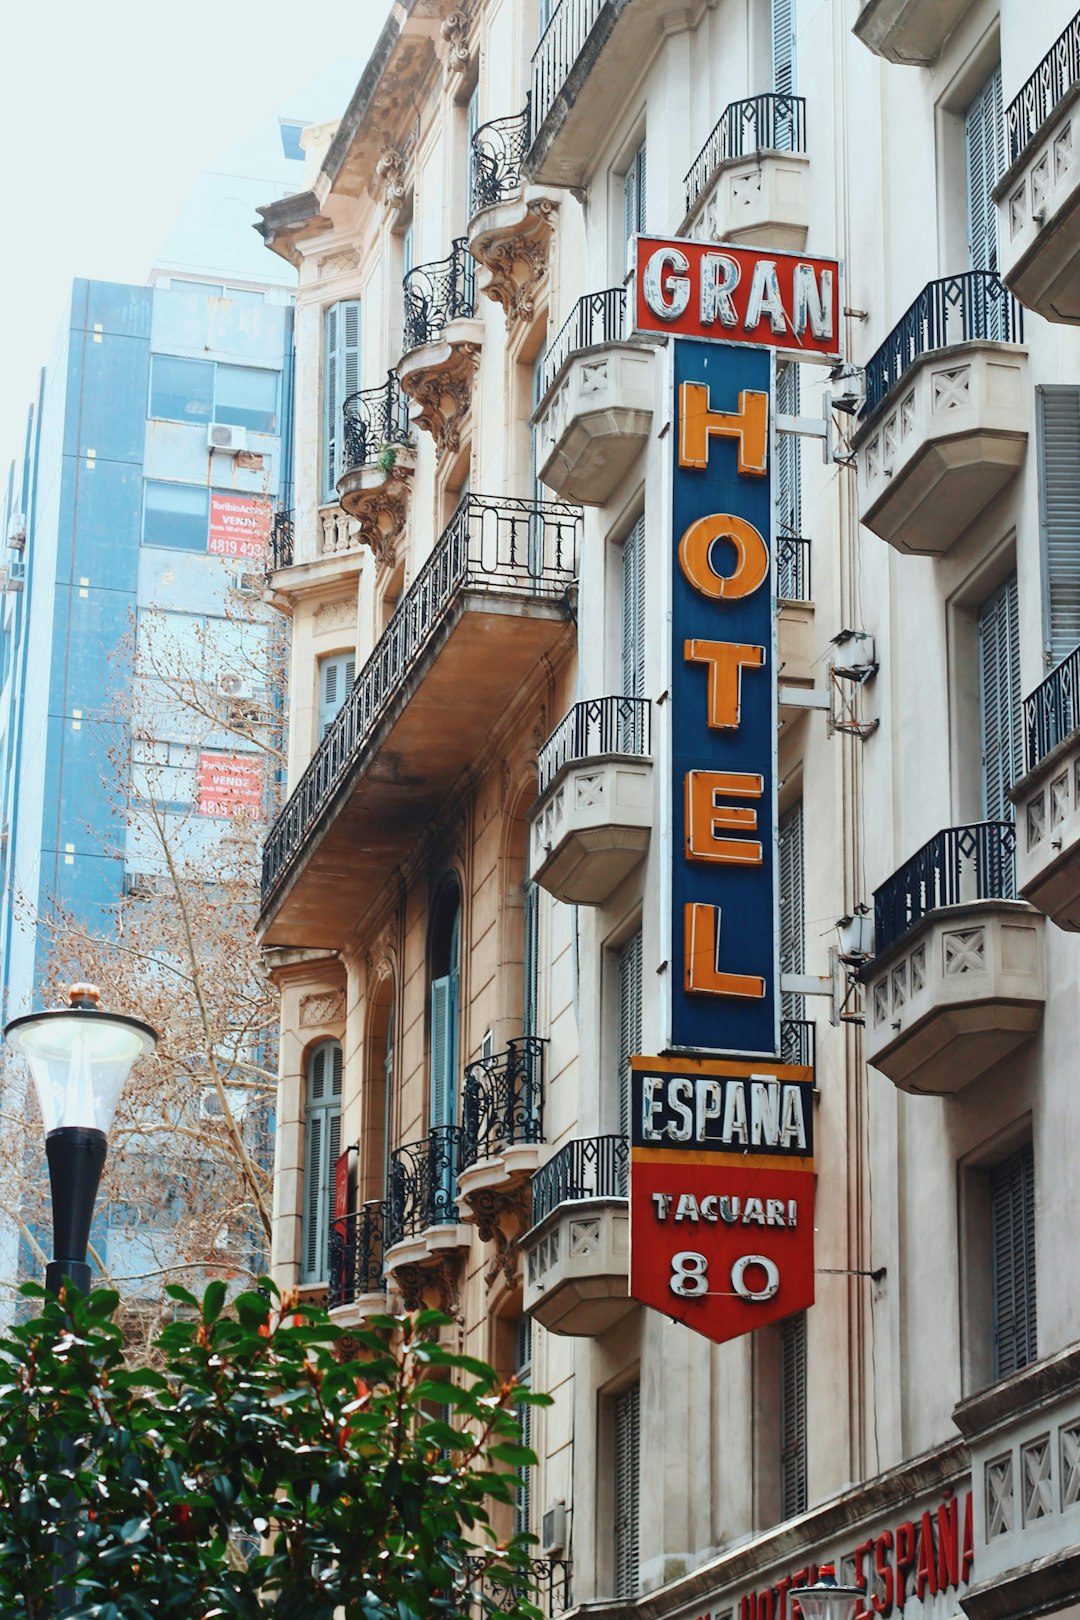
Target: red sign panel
(721,1192)
(230,785)
(738,295)
(239,526)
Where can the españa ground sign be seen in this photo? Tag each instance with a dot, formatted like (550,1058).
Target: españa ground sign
(721,1192)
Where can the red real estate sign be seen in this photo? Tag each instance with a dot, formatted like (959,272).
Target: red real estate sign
(721,1192)
(730,294)
(230,785)
(239,526)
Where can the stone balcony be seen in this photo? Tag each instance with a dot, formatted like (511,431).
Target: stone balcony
(796,662)
(946,423)
(512,222)
(442,344)
(1038,197)
(378,460)
(592,822)
(298,568)
(958,979)
(1047,797)
(751,180)
(577,1251)
(908,31)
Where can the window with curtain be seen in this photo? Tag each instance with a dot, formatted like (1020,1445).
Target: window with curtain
(322,1144)
(341,377)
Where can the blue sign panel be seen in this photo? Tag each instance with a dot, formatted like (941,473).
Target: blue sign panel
(725,941)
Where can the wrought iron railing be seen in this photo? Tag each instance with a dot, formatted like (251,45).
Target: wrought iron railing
(376,419)
(589,1167)
(768,123)
(956,309)
(547,1586)
(499,150)
(596,318)
(608,725)
(793,568)
(1052,711)
(958,865)
(560,46)
(356,1254)
(1056,74)
(503,1100)
(798,1042)
(282,548)
(492,546)
(438,293)
(423,1184)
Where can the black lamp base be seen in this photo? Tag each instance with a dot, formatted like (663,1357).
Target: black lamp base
(76,1156)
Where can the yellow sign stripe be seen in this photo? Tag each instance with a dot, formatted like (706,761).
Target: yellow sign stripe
(731,1157)
(721,1066)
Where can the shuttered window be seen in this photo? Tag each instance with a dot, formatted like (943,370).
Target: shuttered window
(322,1144)
(388,1095)
(472,124)
(1012,1238)
(341,377)
(444,1035)
(633,611)
(999,698)
(1058,412)
(523,1373)
(531,958)
(984,146)
(627,1490)
(544,12)
(634,199)
(783,46)
(792,904)
(629,1022)
(336,676)
(788,485)
(793,1416)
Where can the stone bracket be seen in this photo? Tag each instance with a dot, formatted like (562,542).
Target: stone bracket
(501,1218)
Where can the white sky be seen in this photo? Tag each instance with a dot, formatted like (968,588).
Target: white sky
(108,114)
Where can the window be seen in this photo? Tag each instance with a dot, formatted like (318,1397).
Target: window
(531,958)
(634,199)
(203,289)
(793,1416)
(322,1144)
(181,390)
(336,676)
(1012,1254)
(445,994)
(783,47)
(627,1490)
(341,377)
(472,124)
(176,515)
(984,149)
(629,1022)
(788,488)
(633,612)
(545,10)
(792,905)
(1058,411)
(201,392)
(999,698)
(290,139)
(247,397)
(523,1373)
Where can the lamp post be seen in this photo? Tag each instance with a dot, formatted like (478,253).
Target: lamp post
(80,1058)
(825,1600)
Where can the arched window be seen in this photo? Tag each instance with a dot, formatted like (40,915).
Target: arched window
(322,1144)
(445,970)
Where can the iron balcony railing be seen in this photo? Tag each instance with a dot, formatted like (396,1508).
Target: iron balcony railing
(793,568)
(798,1042)
(560,46)
(608,725)
(546,1585)
(499,150)
(956,309)
(356,1254)
(503,1100)
(376,419)
(1055,75)
(494,546)
(423,1184)
(589,1167)
(281,541)
(767,123)
(438,293)
(1052,712)
(957,866)
(596,318)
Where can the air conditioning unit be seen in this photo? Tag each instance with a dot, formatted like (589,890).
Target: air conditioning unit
(140,885)
(16,531)
(222,436)
(553,1530)
(210,1104)
(246,584)
(230,685)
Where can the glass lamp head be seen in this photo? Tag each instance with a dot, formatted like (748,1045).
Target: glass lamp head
(825,1600)
(80,1058)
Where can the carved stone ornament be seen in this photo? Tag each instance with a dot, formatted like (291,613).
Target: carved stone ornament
(434,1285)
(514,251)
(380,507)
(390,173)
(323,1007)
(337,264)
(455,31)
(336,616)
(501,1217)
(443,390)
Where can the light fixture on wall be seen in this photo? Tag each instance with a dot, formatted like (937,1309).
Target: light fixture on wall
(826,1600)
(855,935)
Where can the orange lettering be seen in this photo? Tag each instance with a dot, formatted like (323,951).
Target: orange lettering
(726,661)
(751,557)
(749,426)
(705,819)
(702,935)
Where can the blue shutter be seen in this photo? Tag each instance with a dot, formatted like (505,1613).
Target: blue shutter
(627,1481)
(1000,698)
(531,961)
(793,1416)
(341,377)
(523,1373)
(984,146)
(472,124)
(792,904)
(788,466)
(633,611)
(336,676)
(1012,1237)
(783,47)
(634,184)
(629,1022)
(442,1101)
(1059,515)
(322,1144)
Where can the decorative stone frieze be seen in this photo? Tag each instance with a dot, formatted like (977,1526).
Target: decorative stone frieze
(324,1007)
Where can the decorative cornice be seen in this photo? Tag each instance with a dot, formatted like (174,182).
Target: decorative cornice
(455,32)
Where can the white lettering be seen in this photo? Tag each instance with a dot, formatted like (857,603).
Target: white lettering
(738,1277)
(792,1120)
(774,1212)
(764,1111)
(792,1213)
(754,1214)
(765,299)
(729,1210)
(813,302)
(720,276)
(710,1098)
(662,1202)
(734,1127)
(650,1107)
(666,294)
(680,1092)
(708,1208)
(686,1209)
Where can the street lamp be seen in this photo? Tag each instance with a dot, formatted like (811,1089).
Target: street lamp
(80,1058)
(825,1600)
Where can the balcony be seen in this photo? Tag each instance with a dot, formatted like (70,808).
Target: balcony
(512,222)
(908,31)
(795,614)
(946,422)
(357,1285)
(595,416)
(593,819)
(578,1249)
(502,1129)
(424,1234)
(751,181)
(1048,797)
(379,460)
(547,1587)
(958,979)
(282,547)
(490,602)
(442,343)
(1038,197)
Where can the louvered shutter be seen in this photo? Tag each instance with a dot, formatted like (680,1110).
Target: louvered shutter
(1059,515)
(634,182)
(388,1096)
(531,958)
(783,47)
(792,904)
(999,694)
(793,1416)
(629,1022)
(984,144)
(544,10)
(523,1373)
(336,676)
(1012,1227)
(442,1099)
(627,1490)
(633,611)
(341,377)
(472,124)
(322,1144)
(788,464)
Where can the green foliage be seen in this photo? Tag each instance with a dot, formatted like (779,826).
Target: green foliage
(257,1474)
